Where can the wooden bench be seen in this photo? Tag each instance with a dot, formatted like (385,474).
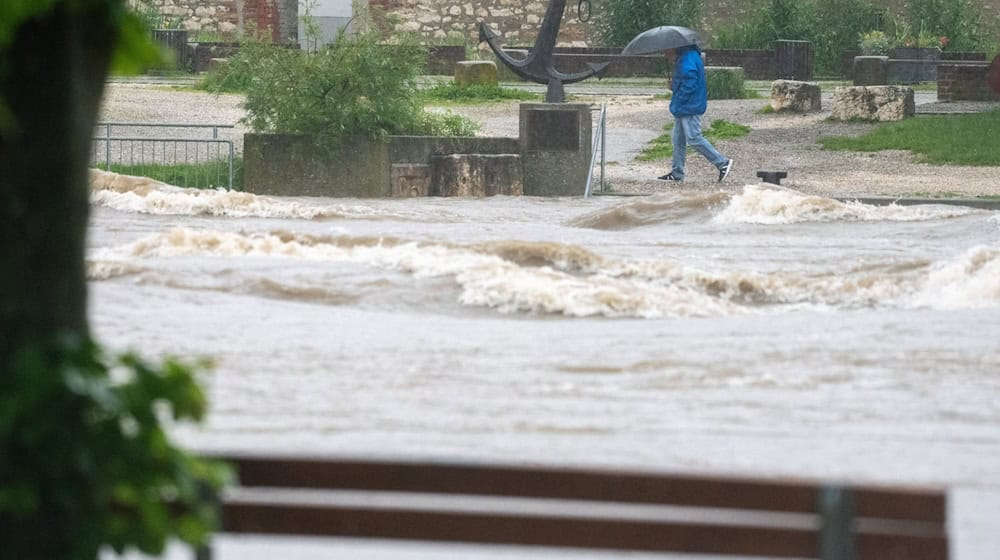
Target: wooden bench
(582,508)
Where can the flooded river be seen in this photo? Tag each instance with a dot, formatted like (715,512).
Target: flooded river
(757,331)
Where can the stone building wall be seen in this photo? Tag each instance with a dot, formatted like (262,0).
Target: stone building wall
(276,19)
(516,21)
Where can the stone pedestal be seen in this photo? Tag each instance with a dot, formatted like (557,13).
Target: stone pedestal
(794,60)
(555,143)
(795,97)
(871,70)
(872,103)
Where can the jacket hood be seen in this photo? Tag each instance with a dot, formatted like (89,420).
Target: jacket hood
(686,48)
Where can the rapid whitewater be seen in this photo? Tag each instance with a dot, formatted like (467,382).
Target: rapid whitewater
(755,330)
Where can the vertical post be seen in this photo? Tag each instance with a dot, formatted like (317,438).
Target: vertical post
(230,165)
(836,511)
(604,144)
(107,147)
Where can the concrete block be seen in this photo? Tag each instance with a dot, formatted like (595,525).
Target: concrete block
(476,72)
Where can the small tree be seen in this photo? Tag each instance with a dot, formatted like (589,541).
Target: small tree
(353,87)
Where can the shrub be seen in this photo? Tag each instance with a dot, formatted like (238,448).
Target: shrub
(875,43)
(352,87)
(957,22)
(833,26)
(725,83)
(770,20)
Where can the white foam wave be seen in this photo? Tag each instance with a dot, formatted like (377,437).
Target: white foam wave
(771,205)
(146,196)
(108,269)
(970,280)
(485,278)
(572,281)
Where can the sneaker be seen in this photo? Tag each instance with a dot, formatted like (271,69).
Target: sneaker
(669,177)
(724,170)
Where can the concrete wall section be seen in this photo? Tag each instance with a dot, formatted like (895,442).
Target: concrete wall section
(293,165)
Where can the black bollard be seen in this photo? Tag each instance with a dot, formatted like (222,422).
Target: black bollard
(773,177)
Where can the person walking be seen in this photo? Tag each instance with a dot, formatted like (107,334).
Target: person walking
(687,104)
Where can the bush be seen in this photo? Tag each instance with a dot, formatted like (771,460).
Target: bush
(239,71)
(770,20)
(725,83)
(353,87)
(86,460)
(833,26)
(950,24)
(875,43)
(618,21)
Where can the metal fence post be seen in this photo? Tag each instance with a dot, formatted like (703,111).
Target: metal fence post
(836,510)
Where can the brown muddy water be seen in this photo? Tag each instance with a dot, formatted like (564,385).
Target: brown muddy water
(754,332)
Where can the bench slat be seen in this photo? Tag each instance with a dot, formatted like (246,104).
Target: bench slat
(562,531)
(580,484)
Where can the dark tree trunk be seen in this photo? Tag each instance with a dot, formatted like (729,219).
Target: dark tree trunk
(52,85)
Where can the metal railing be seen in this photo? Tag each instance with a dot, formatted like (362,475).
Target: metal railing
(600,137)
(194,157)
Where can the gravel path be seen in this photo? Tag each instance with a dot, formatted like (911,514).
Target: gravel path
(776,142)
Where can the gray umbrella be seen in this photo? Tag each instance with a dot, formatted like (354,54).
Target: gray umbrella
(661,38)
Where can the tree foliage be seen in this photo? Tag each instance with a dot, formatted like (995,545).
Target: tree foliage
(86,459)
(833,27)
(958,21)
(618,21)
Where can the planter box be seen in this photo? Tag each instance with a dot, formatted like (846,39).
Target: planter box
(914,65)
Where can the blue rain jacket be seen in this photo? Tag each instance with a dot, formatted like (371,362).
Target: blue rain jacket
(690,94)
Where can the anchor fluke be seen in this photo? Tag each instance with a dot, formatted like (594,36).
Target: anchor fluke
(485,33)
(598,68)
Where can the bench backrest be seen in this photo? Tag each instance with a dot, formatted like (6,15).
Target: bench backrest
(585,508)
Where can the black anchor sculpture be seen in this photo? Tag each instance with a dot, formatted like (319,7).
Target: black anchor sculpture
(537,66)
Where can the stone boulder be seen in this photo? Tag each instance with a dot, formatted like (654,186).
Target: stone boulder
(476,72)
(872,103)
(795,97)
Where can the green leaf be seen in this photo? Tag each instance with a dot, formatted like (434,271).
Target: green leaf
(135,50)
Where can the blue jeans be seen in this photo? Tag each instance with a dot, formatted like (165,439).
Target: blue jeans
(687,132)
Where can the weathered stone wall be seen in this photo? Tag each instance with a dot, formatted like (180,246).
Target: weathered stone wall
(275,19)
(516,21)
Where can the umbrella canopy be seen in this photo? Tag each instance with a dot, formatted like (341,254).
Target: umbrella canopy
(661,38)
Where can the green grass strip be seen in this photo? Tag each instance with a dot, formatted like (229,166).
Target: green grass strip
(940,139)
(662,147)
(213,175)
(451,93)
